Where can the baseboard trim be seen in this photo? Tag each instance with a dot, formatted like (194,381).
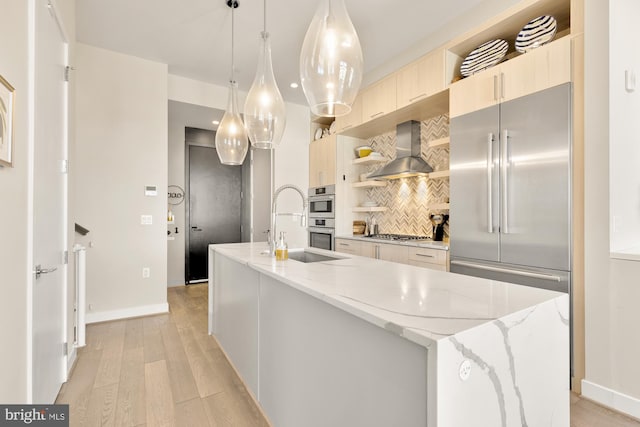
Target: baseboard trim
(125,313)
(613,399)
(71,361)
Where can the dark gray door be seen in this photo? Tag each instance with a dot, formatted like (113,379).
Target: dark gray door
(214,207)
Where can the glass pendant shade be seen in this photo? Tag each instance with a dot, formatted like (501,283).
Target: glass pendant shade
(264,110)
(331,61)
(231,136)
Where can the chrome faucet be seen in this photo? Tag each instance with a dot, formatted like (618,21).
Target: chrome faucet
(275,214)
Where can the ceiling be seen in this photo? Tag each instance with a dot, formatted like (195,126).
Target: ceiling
(194,36)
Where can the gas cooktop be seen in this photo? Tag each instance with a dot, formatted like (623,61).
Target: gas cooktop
(400,237)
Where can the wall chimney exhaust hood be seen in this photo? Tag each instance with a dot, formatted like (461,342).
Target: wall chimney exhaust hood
(408,161)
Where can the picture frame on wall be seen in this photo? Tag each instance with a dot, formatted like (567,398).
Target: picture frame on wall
(7,101)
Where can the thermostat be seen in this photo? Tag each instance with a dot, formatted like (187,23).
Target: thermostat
(150,190)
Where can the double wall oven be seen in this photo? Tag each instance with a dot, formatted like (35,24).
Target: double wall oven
(322,217)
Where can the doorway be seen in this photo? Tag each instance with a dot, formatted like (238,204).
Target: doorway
(49,206)
(214,202)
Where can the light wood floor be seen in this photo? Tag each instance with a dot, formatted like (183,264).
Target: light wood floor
(166,371)
(158,371)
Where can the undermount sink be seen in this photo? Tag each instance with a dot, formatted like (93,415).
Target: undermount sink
(305,256)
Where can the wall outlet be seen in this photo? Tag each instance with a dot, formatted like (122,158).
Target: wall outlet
(146,272)
(146,219)
(465,370)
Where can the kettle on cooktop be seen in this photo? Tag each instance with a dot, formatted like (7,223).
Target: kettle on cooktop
(438,221)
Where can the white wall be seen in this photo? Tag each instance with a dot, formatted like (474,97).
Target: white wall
(14,266)
(292,160)
(612,287)
(624,127)
(292,167)
(122,146)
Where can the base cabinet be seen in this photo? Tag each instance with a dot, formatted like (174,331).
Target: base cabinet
(435,259)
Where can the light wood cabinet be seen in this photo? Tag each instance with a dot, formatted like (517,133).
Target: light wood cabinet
(322,161)
(351,120)
(434,259)
(347,246)
(379,99)
(394,253)
(474,93)
(429,258)
(542,68)
(420,79)
(537,70)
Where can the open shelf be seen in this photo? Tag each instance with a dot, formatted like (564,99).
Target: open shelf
(369,184)
(442,142)
(369,208)
(369,160)
(440,174)
(442,206)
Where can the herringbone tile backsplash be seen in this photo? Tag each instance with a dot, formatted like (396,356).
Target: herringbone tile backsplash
(408,199)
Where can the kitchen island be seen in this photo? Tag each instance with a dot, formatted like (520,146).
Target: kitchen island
(355,341)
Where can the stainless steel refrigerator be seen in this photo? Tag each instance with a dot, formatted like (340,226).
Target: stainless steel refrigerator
(511,191)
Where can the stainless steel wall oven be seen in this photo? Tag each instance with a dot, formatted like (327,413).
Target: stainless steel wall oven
(322,205)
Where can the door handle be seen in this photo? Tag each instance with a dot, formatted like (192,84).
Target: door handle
(490,183)
(39,270)
(533,275)
(196,229)
(505,182)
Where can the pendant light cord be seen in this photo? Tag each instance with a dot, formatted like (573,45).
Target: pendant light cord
(232,42)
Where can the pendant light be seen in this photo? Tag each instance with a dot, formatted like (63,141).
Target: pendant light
(264,110)
(331,61)
(231,136)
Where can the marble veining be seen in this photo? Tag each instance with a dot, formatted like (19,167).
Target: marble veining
(490,371)
(505,334)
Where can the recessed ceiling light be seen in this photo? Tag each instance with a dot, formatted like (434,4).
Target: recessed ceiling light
(294,85)
(216,122)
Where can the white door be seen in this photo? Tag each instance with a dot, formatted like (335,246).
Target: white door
(50,198)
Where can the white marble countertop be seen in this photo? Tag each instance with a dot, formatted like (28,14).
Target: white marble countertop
(420,304)
(416,243)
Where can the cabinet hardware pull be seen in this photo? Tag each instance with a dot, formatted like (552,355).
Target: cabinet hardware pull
(377,114)
(343,244)
(425,255)
(417,97)
(502,85)
(495,87)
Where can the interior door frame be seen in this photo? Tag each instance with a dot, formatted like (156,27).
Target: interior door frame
(31,142)
(187,206)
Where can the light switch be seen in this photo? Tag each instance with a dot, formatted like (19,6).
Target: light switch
(150,190)
(629,80)
(146,219)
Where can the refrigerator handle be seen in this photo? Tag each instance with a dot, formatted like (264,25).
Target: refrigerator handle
(505,183)
(490,183)
(550,277)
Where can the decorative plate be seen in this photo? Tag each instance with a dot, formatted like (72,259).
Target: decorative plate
(332,128)
(318,134)
(484,56)
(536,33)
